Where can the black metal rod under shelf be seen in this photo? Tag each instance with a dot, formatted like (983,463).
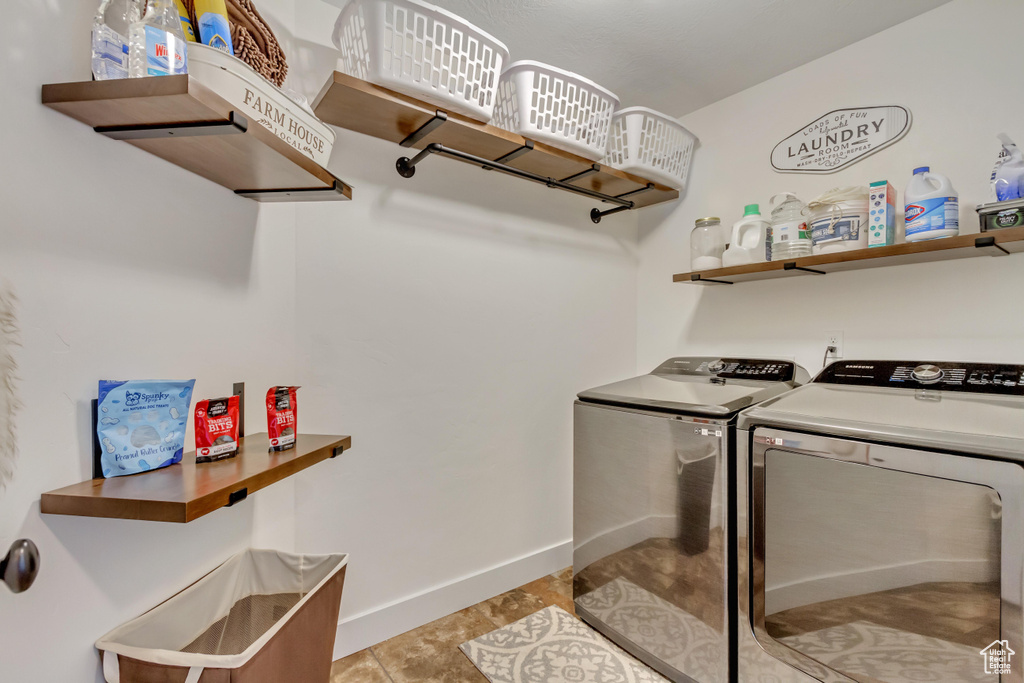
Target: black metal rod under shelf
(407,169)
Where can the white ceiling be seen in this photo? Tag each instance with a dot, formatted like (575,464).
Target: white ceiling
(677,56)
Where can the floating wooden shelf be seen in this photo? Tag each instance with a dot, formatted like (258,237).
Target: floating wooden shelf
(189,125)
(187,491)
(351,103)
(995,243)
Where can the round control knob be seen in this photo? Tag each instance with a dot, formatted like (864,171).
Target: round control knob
(927,374)
(716,366)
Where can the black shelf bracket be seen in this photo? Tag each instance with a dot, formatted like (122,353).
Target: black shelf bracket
(426,129)
(235,125)
(596,214)
(338,450)
(514,154)
(594,168)
(406,168)
(335,192)
(696,277)
(238,496)
(238,389)
(989,242)
(791,265)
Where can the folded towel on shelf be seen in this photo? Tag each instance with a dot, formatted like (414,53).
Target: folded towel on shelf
(254,42)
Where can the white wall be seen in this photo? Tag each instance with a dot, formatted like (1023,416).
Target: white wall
(962,92)
(444,322)
(117,278)
(447,322)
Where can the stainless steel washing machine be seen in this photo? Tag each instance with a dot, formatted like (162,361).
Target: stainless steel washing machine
(880,527)
(651,508)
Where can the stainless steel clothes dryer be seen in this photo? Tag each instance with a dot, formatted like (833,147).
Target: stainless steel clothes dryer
(651,509)
(881,524)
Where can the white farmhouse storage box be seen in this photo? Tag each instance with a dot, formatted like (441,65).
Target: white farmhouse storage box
(263,616)
(260,101)
(652,145)
(556,107)
(422,51)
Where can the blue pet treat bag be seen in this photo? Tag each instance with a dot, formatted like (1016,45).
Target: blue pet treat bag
(141,424)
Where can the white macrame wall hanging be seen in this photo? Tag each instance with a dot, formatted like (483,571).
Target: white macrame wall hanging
(8,395)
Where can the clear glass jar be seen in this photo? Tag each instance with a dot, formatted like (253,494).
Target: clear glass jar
(707,244)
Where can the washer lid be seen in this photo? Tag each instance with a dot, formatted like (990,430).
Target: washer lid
(715,387)
(985,424)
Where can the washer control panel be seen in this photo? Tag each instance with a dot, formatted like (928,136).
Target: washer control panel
(979,378)
(730,368)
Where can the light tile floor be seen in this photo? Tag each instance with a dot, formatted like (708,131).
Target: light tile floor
(430,653)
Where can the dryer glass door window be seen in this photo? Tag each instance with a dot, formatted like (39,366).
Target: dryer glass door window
(887,565)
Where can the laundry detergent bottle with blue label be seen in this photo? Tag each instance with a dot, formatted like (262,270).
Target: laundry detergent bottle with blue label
(933,206)
(156,44)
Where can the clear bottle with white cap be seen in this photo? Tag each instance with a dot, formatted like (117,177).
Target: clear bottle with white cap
(790,237)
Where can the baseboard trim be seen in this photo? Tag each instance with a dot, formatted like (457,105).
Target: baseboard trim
(360,631)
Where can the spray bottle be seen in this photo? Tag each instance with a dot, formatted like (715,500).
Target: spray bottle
(1009,177)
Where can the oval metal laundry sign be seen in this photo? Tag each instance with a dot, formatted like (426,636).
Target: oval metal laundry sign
(840,138)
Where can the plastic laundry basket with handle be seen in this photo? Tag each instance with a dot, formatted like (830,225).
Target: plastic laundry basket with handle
(261,617)
(556,107)
(652,145)
(423,51)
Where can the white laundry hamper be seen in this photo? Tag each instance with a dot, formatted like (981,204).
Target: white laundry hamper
(422,51)
(556,107)
(261,617)
(650,144)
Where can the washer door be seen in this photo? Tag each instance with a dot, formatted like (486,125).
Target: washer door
(650,527)
(885,565)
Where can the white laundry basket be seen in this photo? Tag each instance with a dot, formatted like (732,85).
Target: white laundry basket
(652,145)
(556,107)
(261,616)
(422,51)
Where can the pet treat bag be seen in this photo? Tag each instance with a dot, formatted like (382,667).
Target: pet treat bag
(282,414)
(141,424)
(216,429)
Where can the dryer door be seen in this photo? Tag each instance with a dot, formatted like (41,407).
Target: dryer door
(885,565)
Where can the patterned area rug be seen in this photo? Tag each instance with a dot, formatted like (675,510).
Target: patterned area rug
(552,645)
(677,638)
(861,648)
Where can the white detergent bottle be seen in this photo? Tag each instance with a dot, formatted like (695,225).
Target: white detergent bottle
(749,239)
(933,207)
(1009,177)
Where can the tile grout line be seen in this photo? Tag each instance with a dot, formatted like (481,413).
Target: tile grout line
(380,664)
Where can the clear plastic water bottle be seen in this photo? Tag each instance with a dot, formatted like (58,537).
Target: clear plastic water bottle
(156,43)
(110,38)
(790,236)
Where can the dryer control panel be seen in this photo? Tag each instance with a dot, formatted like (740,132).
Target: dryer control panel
(730,368)
(978,378)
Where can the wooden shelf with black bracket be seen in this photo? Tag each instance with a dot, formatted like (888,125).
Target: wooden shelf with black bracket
(189,125)
(187,491)
(354,104)
(994,243)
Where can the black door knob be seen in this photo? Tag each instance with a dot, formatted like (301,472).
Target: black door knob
(21,565)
